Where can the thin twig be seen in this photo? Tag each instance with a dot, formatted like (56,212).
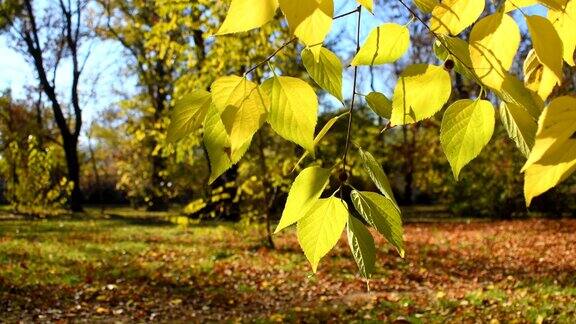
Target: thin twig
(293,39)
(436,36)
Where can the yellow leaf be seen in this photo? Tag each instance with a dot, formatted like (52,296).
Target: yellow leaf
(327,71)
(244,15)
(554,4)
(453,16)
(303,195)
(494,41)
(244,113)
(188,115)
(321,228)
(511,5)
(537,77)
(217,144)
(309,20)
(421,91)
(547,44)
(368,4)
(564,22)
(385,44)
(293,110)
(553,158)
(426,5)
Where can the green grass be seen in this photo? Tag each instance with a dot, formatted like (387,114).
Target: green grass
(135,266)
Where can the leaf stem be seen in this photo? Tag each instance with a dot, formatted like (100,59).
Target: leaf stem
(354,84)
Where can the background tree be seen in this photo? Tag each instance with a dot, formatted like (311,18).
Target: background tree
(46,37)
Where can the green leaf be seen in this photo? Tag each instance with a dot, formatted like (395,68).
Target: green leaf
(520,125)
(327,71)
(380,104)
(217,144)
(377,174)
(467,127)
(244,114)
(293,109)
(362,246)
(305,192)
(421,92)
(385,44)
(321,228)
(244,15)
(188,115)
(381,213)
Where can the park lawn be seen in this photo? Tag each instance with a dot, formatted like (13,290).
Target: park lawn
(129,268)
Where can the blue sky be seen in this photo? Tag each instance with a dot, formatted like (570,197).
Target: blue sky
(107,65)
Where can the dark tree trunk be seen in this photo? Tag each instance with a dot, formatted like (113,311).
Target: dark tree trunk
(158,200)
(73,165)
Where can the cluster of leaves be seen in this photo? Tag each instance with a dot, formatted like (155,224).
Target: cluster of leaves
(237,107)
(33,185)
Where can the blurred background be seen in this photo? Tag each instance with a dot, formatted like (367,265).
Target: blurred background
(115,81)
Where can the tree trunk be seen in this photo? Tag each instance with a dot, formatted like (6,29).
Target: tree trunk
(73,165)
(158,200)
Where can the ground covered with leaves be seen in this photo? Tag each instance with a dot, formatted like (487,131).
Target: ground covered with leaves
(125,269)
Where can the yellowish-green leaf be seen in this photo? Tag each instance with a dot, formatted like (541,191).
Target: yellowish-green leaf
(244,114)
(553,158)
(515,92)
(321,228)
(453,16)
(310,21)
(456,49)
(467,127)
(327,71)
(222,90)
(217,144)
(538,77)
(385,44)
(362,246)
(547,44)
(564,22)
(380,104)
(494,41)
(304,193)
(244,15)
(426,5)
(377,174)
(421,91)
(380,213)
(368,4)
(188,115)
(520,125)
(320,136)
(293,109)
